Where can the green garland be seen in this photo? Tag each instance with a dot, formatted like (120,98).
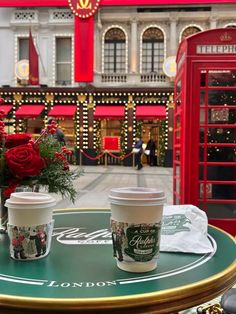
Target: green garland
(123,134)
(139,125)
(162,133)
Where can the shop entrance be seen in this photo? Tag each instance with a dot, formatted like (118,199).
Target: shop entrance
(205,123)
(150,130)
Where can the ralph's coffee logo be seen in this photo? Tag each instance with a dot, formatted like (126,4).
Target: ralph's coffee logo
(84,8)
(81,236)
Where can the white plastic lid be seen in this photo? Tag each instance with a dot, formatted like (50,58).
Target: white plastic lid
(137,194)
(30,198)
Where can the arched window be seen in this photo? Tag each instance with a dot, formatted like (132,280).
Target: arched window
(152,50)
(114,51)
(230,26)
(190,31)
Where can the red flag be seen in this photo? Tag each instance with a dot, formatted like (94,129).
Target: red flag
(33,62)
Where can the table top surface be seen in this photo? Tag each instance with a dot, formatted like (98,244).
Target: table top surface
(81,273)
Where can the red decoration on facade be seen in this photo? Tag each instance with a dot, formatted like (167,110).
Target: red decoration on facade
(33,62)
(111,143)
(84,48)
(84,8)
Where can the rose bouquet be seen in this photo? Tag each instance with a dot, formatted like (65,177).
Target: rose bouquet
(35,163)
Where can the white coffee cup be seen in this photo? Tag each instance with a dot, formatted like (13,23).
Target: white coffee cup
(30,224)
(136,216)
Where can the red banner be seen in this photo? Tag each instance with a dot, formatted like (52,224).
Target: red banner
(33,62)
(111,143)
(84,44)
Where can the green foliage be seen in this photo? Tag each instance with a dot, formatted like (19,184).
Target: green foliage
(48,147)
(162,144)
(54,176)
(139,125)
(57,180)
(123,134)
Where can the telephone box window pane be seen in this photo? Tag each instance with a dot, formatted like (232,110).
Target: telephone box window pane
(201,137)
(220,210)
(203,78)
(205,190)
(220,173)
(224,191)
(202,98)
(221,135)
(201,153)
(217,191)
(201,169)
(222,98)
(220,154)
(222,116)
(222,78)
(202,116)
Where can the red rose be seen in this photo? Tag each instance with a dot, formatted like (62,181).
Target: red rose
(24,161)
(13,140)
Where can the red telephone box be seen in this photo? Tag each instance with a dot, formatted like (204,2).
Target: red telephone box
(205,122)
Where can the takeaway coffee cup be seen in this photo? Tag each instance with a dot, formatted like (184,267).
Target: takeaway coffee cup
(30,224)
(136,216)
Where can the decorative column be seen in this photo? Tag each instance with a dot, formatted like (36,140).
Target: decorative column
(16,104)
(90,107)
(98,44)
(129,129)
(213,22)
(133,48)
(81,99)
(173,38)
(130,123)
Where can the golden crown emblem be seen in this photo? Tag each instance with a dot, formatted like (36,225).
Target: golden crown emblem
(226,37)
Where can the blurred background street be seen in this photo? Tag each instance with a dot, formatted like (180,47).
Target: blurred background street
(94,184)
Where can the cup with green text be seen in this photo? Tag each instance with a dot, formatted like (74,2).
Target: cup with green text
(136,218)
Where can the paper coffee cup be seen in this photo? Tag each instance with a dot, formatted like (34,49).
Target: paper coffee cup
(136,216)
(30,224)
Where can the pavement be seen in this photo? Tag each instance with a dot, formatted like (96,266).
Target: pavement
(94,184)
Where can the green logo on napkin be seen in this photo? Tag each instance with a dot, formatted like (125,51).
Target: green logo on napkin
(172,224)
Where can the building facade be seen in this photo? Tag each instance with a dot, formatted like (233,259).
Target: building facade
(133,84)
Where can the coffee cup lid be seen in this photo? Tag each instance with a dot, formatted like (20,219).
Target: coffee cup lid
(30,198)
(137,193)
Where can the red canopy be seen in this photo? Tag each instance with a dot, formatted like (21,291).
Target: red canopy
(109,112)
(63,111)
(6,108)
(29,111)
(151,112)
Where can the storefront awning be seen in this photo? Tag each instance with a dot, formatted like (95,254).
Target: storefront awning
(29,111)
(151,112)
(62,111)
(6,109)
(109,112)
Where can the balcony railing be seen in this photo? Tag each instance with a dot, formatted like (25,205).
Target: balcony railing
(132,79)
(152,77)
(114,78)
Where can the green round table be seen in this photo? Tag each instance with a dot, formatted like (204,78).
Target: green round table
(80,275)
